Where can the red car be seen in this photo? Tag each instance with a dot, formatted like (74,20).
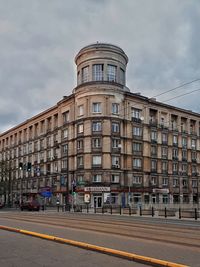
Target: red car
(30,205)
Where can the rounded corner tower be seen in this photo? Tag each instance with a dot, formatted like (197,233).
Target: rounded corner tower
(102,63)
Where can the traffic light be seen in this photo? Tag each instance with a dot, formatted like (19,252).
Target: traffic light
(20,165)
(29,165)
(74,187)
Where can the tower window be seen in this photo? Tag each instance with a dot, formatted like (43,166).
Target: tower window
(111,73)
(85,74)
(97,72)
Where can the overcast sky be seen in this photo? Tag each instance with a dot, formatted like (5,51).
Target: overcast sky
(40,38)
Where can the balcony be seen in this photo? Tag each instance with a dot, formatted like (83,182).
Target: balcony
(175,144)
(194,160)
(194,174)
(137,120)
(175,158)
(153,141)
(165,143)
(153,170)
(115,166)
(153,122)
(184,159)
(175,172)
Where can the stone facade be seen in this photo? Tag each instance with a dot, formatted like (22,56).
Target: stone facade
(103,142)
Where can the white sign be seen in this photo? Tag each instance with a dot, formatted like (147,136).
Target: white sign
(97,189)
(87,198)
(159,190)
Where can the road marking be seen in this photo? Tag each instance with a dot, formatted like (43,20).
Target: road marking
(113,252)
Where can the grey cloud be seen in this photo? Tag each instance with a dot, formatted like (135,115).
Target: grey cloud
(39,40)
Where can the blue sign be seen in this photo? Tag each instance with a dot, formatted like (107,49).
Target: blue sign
(46,194)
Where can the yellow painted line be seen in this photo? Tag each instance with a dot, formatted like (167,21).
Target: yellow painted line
(113,252)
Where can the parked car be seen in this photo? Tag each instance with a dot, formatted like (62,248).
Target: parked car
(1,205)
(30,205)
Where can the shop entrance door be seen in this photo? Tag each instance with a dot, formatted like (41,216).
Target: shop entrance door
(98,201)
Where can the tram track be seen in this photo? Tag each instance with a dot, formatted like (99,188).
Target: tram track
(159,233)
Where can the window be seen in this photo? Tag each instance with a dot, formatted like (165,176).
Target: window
(137,147)
(165,181)
(111,73)
(65,148)
(80,144)
(48,154)
(116,161)
(194,169)
(80,161)
(48,141)
(96,178)
(80,128)
(164,166)
(30,148)
(137,131)
(115,108)
(184,142)
(80,110)
(96,160)
(194,156)
(184,155)
(96,107)
(65,117)
(164,138)
(115,178)
(42,144)
(80,178)
(153,150)
(115,143)
(185,183)
(122,76)
(115,127)
(96,142)
(85,74)
(193,144)
(65,133)
(154,136)
(194,183)
(175,167)
(137,179)
(175,153)
(136,113)
(97,72)
(137,163)
(64,164)
(184,167)
(175,139)
(153,165)
(164,152)
(175,182)
(153,180)
(96,126)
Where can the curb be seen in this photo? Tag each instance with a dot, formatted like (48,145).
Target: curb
(109,251)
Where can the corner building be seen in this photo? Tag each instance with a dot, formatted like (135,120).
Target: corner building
(103,142)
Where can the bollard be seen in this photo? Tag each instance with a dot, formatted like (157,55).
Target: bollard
(95,209)
(165,212)
(110,209)
(102,209)
(87,209)
(129,210)
(58,208)
(179,212)
(81,208)
(195,213)
(140,211)
(120,210)
(152,211)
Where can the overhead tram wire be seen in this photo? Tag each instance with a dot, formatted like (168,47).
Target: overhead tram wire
(181,95)
(177,87)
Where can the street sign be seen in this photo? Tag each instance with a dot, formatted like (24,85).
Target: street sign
(46,194)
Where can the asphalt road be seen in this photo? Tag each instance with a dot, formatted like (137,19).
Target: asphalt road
(16,245)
